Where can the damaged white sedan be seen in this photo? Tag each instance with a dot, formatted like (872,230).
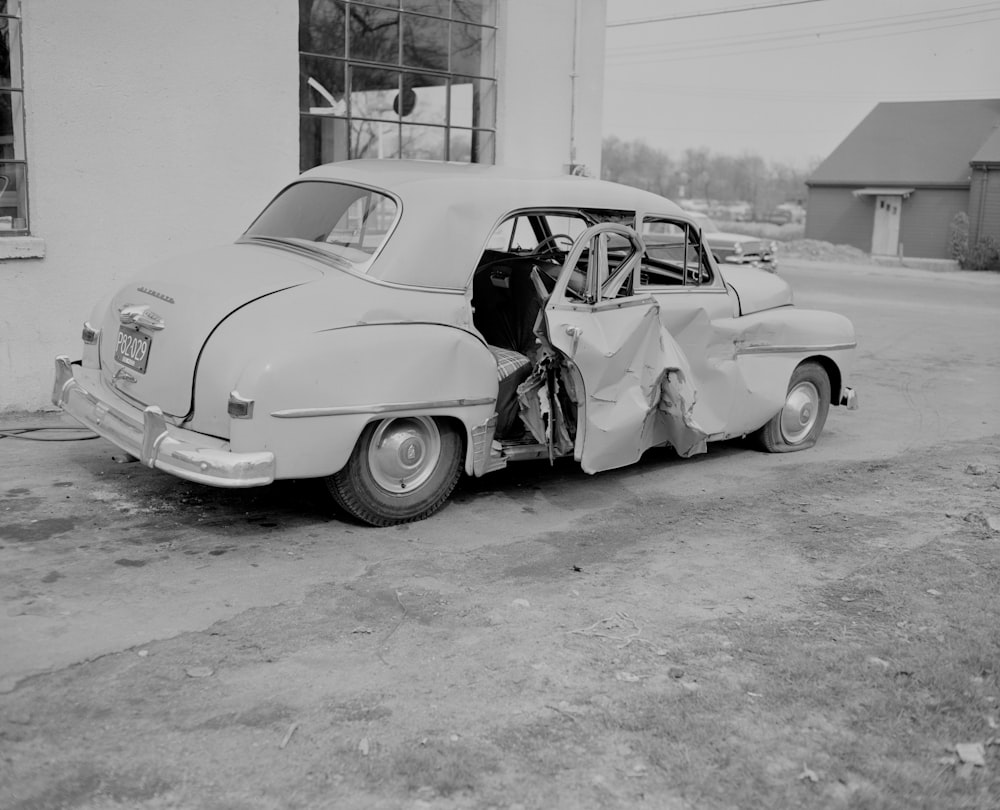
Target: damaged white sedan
(388,325)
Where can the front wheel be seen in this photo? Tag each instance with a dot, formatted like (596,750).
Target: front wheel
(801,420)
(402,469)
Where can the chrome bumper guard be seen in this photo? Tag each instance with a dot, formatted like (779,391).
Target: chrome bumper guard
(849,397)
(146,435)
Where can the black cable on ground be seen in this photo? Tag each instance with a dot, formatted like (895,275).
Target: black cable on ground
(18,433)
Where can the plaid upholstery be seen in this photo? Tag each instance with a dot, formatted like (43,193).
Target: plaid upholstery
(507,361)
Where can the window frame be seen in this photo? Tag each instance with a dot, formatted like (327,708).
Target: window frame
(19,223)
(342,124)
(707,276)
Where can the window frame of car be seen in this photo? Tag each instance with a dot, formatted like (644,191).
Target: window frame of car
(707,277)
(539,219)
(314,248)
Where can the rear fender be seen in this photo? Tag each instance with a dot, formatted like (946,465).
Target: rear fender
(313,395)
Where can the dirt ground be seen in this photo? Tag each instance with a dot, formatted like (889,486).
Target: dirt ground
(731,631)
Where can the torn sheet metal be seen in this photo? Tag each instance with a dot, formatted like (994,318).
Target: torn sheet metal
(637,382)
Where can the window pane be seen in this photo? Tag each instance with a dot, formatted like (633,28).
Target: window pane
(321,140)
(428,103)
(439,8)
(10,62)
(472,146)
(425,42)
(321,86)
(473,102)
(483,147)
(473,50)
(13,198)
(321,27)
(375,94)
(425,143)
(374,139)
(373,35)
(478,11)
(11,126)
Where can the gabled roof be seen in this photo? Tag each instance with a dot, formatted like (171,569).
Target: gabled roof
(913,143)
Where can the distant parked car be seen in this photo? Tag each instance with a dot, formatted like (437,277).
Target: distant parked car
(387,325)
(786,213)
(737,248)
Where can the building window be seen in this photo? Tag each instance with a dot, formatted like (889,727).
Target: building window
(397,79)
(13,159)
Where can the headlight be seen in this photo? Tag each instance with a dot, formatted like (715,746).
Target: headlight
(774,247)
(738,249)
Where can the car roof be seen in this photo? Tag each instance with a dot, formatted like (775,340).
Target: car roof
(450,210)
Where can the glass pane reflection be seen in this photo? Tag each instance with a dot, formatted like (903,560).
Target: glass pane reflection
(423,143)
(10,62)
(321,27)
(425,42)
(373,35)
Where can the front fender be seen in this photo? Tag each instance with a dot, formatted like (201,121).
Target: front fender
(314,393)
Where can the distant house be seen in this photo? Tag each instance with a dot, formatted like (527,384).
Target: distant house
(894,185)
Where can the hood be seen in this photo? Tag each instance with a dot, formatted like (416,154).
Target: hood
(159,321)
(758,289)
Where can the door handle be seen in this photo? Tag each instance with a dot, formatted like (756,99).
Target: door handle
(574,332)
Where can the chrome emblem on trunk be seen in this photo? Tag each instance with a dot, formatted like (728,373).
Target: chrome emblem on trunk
(140,315)
(156,294)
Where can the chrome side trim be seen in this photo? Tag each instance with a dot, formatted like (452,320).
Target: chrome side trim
(394,407)
(830,347)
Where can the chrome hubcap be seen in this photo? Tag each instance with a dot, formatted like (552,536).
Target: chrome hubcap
(800,412)
(404,453)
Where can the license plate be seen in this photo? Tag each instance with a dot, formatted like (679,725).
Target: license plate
(132,349)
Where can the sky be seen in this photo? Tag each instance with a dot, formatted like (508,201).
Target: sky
(787,82)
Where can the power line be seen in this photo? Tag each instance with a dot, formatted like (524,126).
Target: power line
(713,13)
(817,40)
(895,20)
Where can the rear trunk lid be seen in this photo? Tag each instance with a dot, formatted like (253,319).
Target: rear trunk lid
(153,332)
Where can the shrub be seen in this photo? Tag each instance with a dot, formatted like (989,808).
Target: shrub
(958,237)
(984,255)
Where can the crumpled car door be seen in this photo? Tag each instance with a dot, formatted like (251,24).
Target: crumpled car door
(637,386)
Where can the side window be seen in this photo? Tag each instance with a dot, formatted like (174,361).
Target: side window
(13,157)
(537,232)
(675,256)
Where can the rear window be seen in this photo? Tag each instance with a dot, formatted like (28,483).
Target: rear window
(339,220)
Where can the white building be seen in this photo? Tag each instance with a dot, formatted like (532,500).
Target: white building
(132,130)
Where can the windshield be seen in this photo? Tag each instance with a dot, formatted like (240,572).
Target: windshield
(342,221)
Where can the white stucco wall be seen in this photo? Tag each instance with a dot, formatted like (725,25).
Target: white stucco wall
(158,127)
(153,128)
(537,105)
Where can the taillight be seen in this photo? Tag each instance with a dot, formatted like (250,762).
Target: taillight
(240,407)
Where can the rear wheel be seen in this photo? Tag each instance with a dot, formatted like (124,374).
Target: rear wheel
(402,469)
(801,420)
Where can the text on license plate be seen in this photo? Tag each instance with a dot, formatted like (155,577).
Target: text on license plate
(132,348)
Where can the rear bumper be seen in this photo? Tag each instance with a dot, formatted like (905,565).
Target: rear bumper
(146,435)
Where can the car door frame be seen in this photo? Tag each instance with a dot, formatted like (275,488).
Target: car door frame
(635,382)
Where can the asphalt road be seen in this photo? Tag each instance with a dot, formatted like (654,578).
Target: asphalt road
(98,556)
